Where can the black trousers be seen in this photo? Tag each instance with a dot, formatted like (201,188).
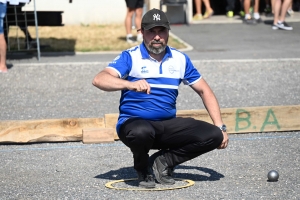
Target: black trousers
(182,139)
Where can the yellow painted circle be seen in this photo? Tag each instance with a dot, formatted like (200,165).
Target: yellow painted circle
(110,185)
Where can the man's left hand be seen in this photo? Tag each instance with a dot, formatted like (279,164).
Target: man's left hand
(225,141)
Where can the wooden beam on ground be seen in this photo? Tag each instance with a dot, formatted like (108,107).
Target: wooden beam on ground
(253,119)
(111,121)
(242,120)
(238,120)
(48,130)
(98,135)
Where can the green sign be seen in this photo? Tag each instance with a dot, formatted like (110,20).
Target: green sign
(243,120)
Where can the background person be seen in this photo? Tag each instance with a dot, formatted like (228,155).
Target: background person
(230,8)
(280,9)
(208,10)
(3,67)
(148,76)
(256,16)
(133,7)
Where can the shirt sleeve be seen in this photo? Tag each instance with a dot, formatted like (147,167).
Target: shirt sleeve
(191,75)
(122,64)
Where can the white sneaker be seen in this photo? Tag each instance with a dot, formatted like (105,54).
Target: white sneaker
(130,39)
(274,27)
(284,26)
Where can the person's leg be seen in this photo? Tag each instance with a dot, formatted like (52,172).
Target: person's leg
(247,8)
(230,8)
(272,5)
(131,8)
(138,22)
(139,135)
(3,67)
(242,12)
(183,139)
(277,6)
(180,139)
(128,20)
(284,7)
(290,8)
(208,10)
(248,19)
(279,15)
(267,9)
(198,7)
(256,14)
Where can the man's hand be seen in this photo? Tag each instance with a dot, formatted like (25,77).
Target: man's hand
(139,86)
(225,141)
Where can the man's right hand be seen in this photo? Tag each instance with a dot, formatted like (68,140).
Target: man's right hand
(139,86)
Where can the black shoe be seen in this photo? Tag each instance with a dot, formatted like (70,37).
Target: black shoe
(163,173)
(284,26)
(250,21)
(146,180)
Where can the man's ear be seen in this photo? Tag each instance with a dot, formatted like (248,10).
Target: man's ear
(141,30)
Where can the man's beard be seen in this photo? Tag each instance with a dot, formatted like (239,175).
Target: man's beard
(156,50)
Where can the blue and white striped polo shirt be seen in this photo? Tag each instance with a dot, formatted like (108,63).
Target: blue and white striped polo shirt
(164,78)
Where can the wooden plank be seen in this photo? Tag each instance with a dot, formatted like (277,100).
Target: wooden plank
(98,135)
(48,130)
(266,119)
(244,119)
(238,120)
(253,119)
(111,122)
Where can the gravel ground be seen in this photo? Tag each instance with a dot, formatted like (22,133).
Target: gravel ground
(46,91)
(80,171)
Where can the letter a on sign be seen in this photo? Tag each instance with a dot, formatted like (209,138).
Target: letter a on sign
(156,17)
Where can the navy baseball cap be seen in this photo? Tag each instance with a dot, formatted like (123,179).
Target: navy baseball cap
(155,18)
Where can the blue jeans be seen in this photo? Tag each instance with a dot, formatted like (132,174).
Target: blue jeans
(2,15)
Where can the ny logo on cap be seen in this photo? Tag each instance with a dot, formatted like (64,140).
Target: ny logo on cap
(156,17)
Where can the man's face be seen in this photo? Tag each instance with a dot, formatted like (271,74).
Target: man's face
(156,39)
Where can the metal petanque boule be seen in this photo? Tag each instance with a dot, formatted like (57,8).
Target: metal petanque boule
(273,176)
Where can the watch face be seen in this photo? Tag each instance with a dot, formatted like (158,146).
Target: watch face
(224,128)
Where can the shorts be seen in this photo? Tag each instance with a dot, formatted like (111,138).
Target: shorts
(134,3)
(2,15)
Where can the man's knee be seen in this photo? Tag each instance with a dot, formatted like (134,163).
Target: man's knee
(211,135)
(217,136)
(141,132)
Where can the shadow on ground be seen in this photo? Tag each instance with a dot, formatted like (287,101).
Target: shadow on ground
(18,48)
(129,173)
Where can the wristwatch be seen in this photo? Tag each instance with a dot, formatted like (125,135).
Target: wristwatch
(223,128)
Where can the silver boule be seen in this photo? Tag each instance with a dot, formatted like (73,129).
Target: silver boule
(273,176)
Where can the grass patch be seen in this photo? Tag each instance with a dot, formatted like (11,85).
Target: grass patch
(79,38)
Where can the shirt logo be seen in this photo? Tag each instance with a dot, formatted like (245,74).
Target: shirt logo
(172,70)
(156,17)
(115,60)
(144,70)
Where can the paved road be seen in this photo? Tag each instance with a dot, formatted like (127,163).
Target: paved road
(245,66)
(209,42)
